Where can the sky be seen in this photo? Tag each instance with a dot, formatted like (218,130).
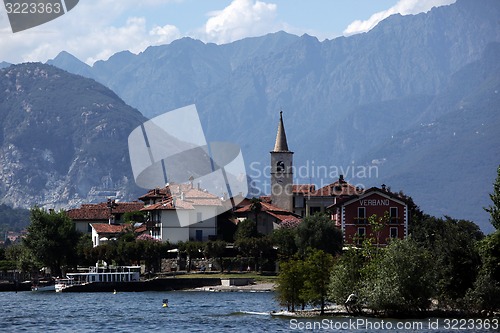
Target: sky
(96,29)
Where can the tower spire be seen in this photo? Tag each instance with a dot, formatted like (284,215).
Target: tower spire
(281,144)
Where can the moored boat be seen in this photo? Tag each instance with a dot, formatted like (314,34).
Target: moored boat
(110,276)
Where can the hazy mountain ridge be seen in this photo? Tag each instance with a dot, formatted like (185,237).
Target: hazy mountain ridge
(63,138)
(449,163)
(347,101)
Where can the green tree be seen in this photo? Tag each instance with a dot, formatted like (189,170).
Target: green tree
(246,229)
(319,232)
(400,282)
(378,224)
(257,248)
(192,249)
(318,266)
(216,250)
(51,239)
(84,251)
(256,208)
(24,259)
(285,240)
(485,294)
(290,283)
(494,209)
(489,249)
(136,216)
(456,260)
(346,277)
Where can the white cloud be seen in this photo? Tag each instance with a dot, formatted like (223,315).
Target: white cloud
(91,31)
(403,7)
(165,34)
(242,18)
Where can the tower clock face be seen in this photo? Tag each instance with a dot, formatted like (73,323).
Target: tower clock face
(280,166)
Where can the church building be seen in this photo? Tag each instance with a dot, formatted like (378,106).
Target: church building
(349,206)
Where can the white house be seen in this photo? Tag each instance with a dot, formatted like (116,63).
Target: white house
(181,212)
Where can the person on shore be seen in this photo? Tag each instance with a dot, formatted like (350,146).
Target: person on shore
(351,304)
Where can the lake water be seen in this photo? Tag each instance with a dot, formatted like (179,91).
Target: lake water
(188,311)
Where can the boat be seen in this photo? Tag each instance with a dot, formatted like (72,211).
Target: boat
(43,285)
(99,278)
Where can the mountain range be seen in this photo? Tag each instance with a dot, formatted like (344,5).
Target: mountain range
(63,139)
(416,98)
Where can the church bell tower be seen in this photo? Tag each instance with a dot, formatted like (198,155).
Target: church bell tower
(281,171)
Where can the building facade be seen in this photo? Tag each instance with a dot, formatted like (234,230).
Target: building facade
(355,216)
(181,212)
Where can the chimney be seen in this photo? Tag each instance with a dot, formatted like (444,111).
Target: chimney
(341,178)
(383,187)
(199,186)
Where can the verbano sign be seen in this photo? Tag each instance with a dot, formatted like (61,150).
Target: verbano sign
(374,202)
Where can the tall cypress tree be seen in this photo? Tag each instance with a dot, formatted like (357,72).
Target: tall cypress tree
(494,209)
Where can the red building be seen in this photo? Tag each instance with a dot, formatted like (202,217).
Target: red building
(352,216)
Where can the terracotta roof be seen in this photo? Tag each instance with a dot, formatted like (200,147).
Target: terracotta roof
(283,217)
(338,188)
(303,188)
(100,211)
(186,196)
(267,208)
(105,228)
(159,192)
(169,205)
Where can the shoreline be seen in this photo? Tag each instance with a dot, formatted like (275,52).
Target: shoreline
(255,287)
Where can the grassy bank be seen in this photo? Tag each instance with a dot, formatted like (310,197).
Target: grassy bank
(257,277)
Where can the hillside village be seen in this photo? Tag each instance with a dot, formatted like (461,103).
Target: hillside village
(176,212)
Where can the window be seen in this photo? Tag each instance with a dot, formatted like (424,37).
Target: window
(280,166)
(313,210)
(394,215)
(362,215)
(199,235)
(360,235)
(199,217)
(394,232)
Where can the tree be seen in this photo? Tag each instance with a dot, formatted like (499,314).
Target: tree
(216,249)
(456,260)
(23,257)
(285,240)
(256,248)
(290,283)
(51,239)
(319,232)
(318,267)
(489,249)
(485,294)
(494,210)
(246,229)
(401,281)
(378,224)
(192,249)
(256,208)
(84,250)
(346,276)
